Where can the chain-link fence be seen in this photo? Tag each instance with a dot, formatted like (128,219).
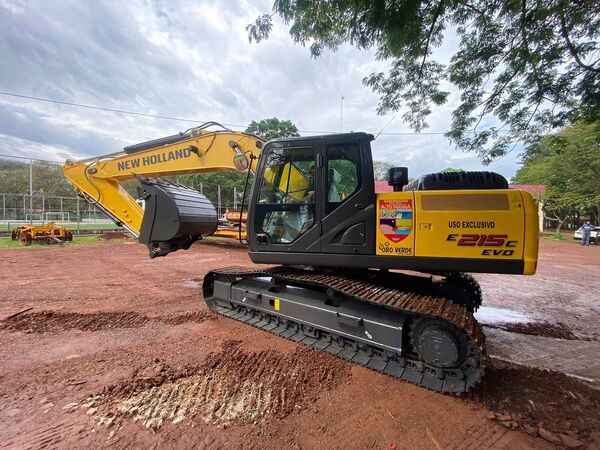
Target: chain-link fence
(23,184)
(32,178)
(17,209)
(21,207)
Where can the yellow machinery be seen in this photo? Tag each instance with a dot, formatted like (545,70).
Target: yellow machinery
(49,233)
(450,225)
(194,151)
(340,247)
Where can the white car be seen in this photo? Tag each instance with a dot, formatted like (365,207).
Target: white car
(578,235)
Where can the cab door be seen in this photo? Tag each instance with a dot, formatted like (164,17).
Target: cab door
(348,197)
(286,214)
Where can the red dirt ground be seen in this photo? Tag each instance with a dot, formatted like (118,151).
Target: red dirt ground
(113,235)
(119,350)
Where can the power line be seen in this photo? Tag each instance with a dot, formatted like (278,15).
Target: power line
(18,144)
(101,108)
(180,119)
(26,146)
(30,159)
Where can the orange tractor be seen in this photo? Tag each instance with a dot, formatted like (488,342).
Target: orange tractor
(49,233)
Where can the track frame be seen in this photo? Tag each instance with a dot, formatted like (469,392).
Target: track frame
(354,319)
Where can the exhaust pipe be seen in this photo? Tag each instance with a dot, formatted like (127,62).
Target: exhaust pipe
(175,216)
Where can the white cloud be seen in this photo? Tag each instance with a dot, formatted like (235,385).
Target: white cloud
(190,60)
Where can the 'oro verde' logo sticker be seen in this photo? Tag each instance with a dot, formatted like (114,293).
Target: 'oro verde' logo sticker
(396,218)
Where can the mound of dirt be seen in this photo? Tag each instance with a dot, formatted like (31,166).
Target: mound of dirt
(114,235)
(195,316)
(544,329)
(538,399)
(51,321)
(230,386)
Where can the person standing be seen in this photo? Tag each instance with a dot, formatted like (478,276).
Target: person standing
(586,230)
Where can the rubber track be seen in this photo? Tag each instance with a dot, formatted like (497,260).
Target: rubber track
(362,290)
(471,284)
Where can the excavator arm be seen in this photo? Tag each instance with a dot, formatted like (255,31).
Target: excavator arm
(173,216)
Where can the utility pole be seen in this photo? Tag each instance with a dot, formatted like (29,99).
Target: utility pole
(342,114)
(219,200)
(31,191)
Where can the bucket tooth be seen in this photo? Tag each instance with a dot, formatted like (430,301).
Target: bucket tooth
(175,216)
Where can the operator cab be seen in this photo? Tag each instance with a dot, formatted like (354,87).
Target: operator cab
(311,196)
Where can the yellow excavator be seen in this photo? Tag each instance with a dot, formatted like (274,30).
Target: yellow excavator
(378,279)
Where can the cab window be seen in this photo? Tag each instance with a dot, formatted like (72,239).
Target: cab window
(287,194)
(343,174)
(288,177)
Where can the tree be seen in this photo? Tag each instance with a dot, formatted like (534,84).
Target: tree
(450,170)
(568,163)
(273,128)
(48,179)
(209,183)
(381,170)
(531,65)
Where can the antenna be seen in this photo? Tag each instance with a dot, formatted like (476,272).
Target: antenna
(342,114)
(386,125)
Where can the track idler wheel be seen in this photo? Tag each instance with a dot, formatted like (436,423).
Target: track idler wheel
(439,343)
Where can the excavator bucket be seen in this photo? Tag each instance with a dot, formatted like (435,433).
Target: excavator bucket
(175,216)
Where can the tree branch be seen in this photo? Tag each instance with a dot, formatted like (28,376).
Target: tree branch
(493,95)
(438,11)
(480,12)
(570,46)
(526,44)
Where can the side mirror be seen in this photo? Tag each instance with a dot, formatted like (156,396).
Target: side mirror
(398,178)
(240,162)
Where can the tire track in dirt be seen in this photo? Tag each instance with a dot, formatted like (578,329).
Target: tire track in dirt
(230,386)
(481,434)
(52,321)
(51,436)
(203,442)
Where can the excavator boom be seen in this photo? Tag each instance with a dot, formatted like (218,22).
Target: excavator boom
(173,216)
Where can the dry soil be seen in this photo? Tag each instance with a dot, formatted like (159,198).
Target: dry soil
(112,349)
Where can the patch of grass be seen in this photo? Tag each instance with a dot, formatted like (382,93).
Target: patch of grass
(564,236)
(7,242)
(556,237)
(72,226)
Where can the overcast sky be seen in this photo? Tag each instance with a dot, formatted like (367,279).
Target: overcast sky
(186,59)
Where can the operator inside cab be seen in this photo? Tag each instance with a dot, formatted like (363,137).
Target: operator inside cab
(309,193)
(333,196)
